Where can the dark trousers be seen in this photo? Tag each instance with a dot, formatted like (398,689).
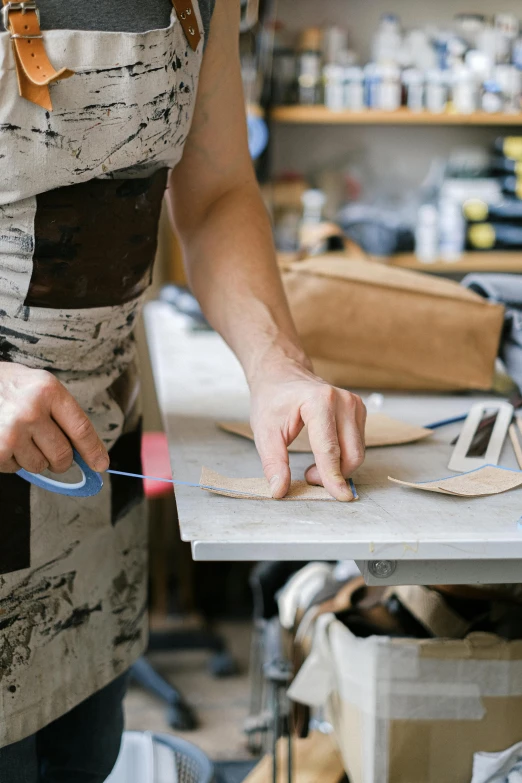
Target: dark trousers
(80,747)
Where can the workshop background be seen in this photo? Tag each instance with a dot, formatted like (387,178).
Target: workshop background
(387,135)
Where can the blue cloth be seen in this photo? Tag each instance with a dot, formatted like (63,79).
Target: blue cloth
(80,747)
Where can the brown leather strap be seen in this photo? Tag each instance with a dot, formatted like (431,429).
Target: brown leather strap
(34,71)
(185,13)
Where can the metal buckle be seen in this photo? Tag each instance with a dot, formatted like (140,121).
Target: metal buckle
(26,5)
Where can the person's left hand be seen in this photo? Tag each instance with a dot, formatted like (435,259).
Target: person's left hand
(287,398)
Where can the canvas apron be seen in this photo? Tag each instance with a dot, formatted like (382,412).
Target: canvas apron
(80,193)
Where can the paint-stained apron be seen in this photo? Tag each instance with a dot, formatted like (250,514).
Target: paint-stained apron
(80,195)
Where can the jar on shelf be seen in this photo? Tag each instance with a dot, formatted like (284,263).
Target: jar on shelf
(509,77)
(309,67)
(354,88)
(464,91)
(334,97)
(372,85)
(390,91)
(492,98)
(436,91)
(413,81)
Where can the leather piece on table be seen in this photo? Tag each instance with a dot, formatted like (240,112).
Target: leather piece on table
(258,488)
(488,480)
(381,430)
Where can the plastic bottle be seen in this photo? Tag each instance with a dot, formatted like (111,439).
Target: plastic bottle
(309,67)
(354,88)
(387,40)
(436,91)
(413,80)
(427,234)
(492,98)
(334,95)
(372,84)
(465,91)
(390,88)
(452,230)
(313,202)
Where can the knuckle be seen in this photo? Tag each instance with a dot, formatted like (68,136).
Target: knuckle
(82,428)
(35,464)
(331,449)
(8,466)
(329,394)
(62,460)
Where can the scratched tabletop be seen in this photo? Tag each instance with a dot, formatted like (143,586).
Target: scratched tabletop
(199,382)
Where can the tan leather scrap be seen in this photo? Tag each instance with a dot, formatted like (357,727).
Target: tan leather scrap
(34,71)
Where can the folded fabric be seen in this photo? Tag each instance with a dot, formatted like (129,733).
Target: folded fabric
(502,767)
(381,430)
(488,480)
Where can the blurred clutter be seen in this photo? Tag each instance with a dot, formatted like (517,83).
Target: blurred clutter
(474,63)
(470,201)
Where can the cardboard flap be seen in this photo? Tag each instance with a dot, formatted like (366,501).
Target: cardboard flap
(375,273)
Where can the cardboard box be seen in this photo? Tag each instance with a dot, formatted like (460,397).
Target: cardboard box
(408,711)
(365,324)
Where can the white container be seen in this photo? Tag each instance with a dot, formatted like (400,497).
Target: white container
(509,77)
(452,230)
(492,98)
(465,91)
(427,234)
(390,88)
(387,41)
(335,41)
(372,85)
(436,92)
(334,87)
(413,80)
(354,88)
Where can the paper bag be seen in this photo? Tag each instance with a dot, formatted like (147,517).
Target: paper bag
(365,324)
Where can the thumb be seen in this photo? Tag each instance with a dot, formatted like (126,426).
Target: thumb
(274,458)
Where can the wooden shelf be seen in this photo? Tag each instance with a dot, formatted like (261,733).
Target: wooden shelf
(470,262)
(320,115)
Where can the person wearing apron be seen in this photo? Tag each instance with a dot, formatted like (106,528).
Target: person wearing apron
(96,113)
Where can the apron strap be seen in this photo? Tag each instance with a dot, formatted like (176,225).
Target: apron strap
(185,13)
(33,69)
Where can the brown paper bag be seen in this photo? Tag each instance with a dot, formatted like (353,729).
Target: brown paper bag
(365,324)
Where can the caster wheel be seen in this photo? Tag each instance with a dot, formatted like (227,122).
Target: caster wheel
(181,718)
(223,665)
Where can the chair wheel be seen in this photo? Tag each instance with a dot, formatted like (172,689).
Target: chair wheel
(223,665)
(181,718)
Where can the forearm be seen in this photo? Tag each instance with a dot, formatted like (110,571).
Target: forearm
(233,272)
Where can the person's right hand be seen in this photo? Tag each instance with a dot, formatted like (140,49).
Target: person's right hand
(40,422)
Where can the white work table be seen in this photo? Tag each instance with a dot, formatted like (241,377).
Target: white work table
(413,536)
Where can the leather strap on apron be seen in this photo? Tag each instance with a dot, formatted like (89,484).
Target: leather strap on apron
(34,71)
(187,18)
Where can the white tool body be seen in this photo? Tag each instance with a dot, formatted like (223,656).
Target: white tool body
(459,461)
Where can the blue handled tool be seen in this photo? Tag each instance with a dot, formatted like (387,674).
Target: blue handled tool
(92,482)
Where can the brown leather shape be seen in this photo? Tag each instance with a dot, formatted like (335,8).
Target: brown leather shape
(95,242)
(185,13)
(34,70)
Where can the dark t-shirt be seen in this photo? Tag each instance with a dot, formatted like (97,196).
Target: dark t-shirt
(126,16)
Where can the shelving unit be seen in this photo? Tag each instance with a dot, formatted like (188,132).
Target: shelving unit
(321,115)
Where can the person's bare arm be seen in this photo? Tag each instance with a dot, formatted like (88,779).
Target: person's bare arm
(226,238)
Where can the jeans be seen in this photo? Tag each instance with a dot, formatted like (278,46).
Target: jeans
(80,747)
